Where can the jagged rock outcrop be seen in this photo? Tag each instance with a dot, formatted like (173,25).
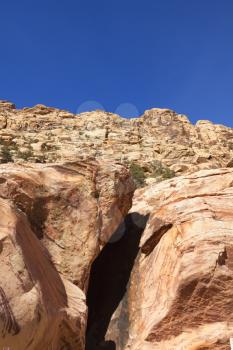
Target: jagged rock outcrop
(44,134)
(180,294)
(54,221)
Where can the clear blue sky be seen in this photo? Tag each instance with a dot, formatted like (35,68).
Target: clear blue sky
(153,53)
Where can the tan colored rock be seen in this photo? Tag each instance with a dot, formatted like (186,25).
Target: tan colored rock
(4,105)
(38,308)
(159,134)
(3,121)
(181,290)
(54,220)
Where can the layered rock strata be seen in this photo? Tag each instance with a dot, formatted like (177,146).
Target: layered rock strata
(54,221)
(180,295)
(45,134)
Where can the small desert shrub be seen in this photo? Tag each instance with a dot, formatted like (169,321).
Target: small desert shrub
(26,154)
(41,158)
(161,171)
(138,174)
(6,156)
(50,147)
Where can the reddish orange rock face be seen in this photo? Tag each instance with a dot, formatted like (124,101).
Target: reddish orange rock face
(181,290)
(180,294)
(54,220)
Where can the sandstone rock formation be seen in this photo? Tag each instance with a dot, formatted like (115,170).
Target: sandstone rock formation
(44,134)
(54,220)
(180,295)
(162,279)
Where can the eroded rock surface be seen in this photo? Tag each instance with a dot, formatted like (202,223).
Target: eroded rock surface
(54,221)
(180,295)
(43,134)
(164,286)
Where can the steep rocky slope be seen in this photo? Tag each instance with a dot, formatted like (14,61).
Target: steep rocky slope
(54,221)
(44,134)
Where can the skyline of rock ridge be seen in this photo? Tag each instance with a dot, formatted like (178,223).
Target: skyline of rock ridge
(46,134)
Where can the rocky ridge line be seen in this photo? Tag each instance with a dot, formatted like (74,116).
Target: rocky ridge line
(45,134)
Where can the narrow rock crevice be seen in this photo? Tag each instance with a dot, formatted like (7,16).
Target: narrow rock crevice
(109,277)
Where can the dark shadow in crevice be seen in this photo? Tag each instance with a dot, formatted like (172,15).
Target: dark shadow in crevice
(110,274)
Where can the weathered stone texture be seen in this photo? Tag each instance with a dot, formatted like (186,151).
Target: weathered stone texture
(54,220)
(45,134)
